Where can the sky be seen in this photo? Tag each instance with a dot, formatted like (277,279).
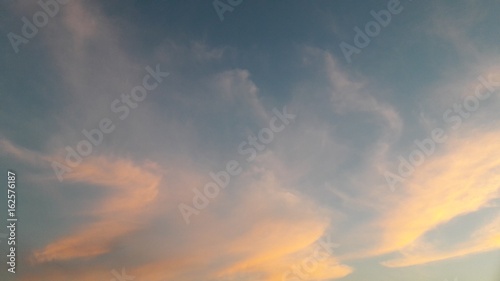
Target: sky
(240,140)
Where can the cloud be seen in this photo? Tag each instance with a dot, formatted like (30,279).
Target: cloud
(237,89)
(258,228)
(460,180)
(22,154)
(350,94)
(255,228)
(135,188)
(272,216)
(484,239)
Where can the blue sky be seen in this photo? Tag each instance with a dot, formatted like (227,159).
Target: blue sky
(154,137)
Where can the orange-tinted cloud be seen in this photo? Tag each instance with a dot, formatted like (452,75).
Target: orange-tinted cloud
(261,234)
(460,179)
(134,187)
(487,238)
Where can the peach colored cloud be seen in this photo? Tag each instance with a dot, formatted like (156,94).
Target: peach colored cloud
(487,238)
(459,180)
(134,187)
(262,232)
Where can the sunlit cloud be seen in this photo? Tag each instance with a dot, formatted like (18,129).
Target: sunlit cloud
(320,178)
(136,187)
(460,180)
